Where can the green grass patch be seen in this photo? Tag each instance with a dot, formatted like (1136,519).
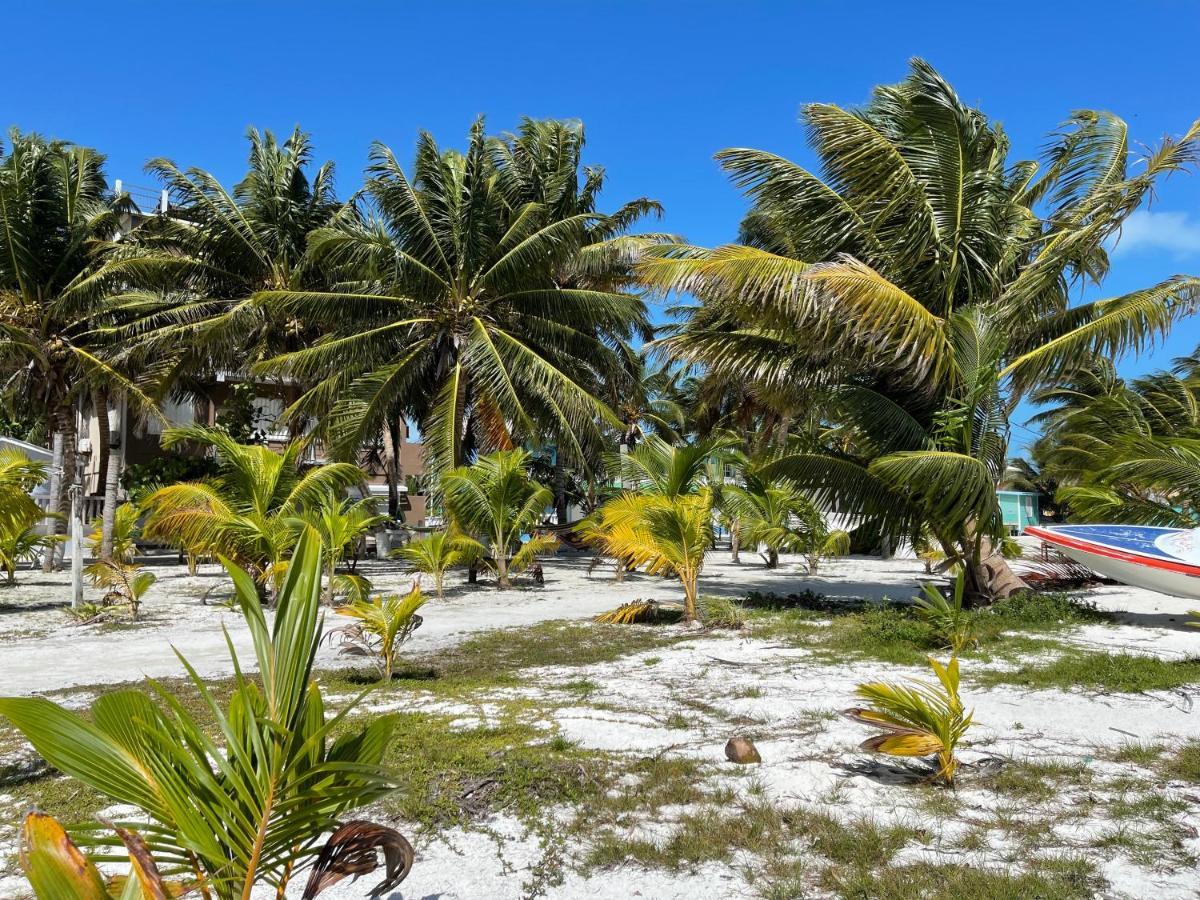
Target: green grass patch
(454,776)
(1138,753)
(1037,781)
(891,632)
(1116,672)
(775,834)
(1184,764)
(497,659)
(1061,879)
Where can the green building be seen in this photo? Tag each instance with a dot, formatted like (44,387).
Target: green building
(1020,509)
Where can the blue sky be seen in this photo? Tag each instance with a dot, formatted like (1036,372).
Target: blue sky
(661,86)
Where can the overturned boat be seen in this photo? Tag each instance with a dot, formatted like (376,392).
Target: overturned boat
(1166,560)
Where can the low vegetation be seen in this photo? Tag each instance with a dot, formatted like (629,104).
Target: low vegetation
(248,807)
(918,718)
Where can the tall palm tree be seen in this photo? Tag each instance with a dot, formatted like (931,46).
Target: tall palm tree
(190,272)
(458,302)
(919,241)
(57,218)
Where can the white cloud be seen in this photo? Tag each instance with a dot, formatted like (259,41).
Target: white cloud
(1176,233)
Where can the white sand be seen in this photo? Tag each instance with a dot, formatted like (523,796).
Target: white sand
(40,650)
(773,692)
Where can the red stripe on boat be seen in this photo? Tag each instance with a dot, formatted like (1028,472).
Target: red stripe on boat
(1151,562)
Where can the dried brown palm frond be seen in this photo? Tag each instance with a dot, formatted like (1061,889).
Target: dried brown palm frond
(353,850)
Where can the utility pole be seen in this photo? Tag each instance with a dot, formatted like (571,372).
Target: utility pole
(75,492)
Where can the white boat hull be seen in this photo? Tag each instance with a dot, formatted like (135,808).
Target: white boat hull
(1160,570)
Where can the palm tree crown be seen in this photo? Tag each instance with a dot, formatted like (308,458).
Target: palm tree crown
(927,280)
(463,300)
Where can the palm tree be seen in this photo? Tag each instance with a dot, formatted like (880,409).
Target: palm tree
(249,806)
(458,302)
(56,217)
(496,501)
(922,235)
(342,524)
(775,514)
(657,467)
(247,512)
(438,552)
(666,533)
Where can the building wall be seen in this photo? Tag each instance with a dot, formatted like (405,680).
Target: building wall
(140,441)
(1020,509)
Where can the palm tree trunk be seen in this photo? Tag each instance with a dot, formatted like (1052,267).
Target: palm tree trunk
(988,574)
(54,500)
(70,455)
(560,489)
(391,464)
(735,544)
(112,473)
(688,578)
(104,429)
(772,558)
(502,567)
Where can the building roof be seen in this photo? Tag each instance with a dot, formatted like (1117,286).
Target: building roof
(33,451)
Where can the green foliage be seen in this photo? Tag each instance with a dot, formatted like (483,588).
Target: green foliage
(239,417)
(953,624)
(21,541)
(168,467)
(722,612)
(342,524)
(18,476)
(658,467)
(248,511)
(936,272)
(491,322)
(918,718)
(1124,451)
(1184,763)
(57,218)
(1030,609)
(777,515)
(438,552)
(381,627)
(1115,672)
(495,501)
(246,808)
(125,535)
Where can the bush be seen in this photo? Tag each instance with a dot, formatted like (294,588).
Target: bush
(1031,609)
(722,612)
(168,468)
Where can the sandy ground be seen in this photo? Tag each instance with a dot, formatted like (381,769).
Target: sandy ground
(41,650)
(777,693)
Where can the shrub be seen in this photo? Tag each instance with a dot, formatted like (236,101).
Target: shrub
(722,612)
(953,624)
(249,807)
(381,627)
(918,718)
